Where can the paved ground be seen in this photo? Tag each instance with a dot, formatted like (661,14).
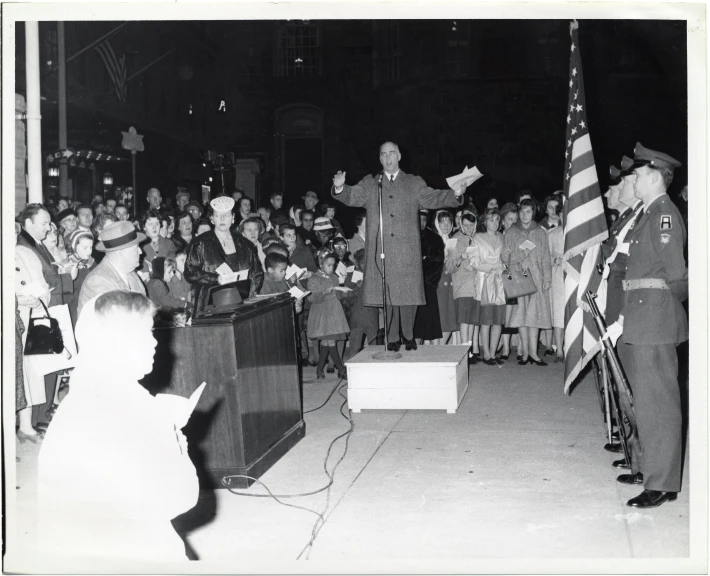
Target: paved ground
(518,473)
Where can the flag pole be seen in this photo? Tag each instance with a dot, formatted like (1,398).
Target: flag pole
(89,47)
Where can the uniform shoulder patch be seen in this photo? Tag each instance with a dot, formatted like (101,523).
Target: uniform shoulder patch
(665,238)
(666,222)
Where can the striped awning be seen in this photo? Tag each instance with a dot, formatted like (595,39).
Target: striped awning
(91,155)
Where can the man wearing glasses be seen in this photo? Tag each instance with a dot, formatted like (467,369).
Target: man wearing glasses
(403,195)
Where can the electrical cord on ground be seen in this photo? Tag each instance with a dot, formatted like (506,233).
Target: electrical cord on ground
(326,400)
(320,522)
(302,494)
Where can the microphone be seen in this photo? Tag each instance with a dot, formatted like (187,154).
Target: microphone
(379,177)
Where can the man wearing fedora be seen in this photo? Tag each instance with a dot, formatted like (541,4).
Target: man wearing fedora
(652,323)
(117,271)
(310,200)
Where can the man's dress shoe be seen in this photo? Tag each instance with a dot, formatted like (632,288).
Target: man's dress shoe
(630,478)
(651,499)
(393,346)
(621,464)
(410,344)
(613,447)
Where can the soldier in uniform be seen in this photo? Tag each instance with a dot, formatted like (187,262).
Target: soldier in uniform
(651,324)
(614,252)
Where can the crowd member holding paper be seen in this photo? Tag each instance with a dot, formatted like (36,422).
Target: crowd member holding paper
(488,285)
(326,321)
(527,249)
(444,225)
(468,309)
(364,320)
(218,256)
(111,480)
(299,253)
(402,196)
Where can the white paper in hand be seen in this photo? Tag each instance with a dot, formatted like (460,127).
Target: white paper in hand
(357,276)
(527,245)
(451,244)
(243,274)
(297,293)
(469,176)
(294,270)
(341,270)
(224,269)
(180,408)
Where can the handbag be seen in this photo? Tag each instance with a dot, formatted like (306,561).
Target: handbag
(517,284)
(493,291)
(44,336)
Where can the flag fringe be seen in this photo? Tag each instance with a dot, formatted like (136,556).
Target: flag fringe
(584,246)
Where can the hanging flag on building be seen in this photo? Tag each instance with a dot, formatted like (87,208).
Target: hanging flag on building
(116,68)
(584,225)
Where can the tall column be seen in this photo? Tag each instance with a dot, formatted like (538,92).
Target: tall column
(34,122)
(62,97)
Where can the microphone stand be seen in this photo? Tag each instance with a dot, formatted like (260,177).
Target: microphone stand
(385,354)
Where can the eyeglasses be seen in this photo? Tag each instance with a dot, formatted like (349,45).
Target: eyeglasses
(222,217)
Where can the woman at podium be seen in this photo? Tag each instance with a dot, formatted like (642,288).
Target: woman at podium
(216,256)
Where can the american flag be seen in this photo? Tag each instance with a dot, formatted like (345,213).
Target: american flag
(116,68)
(585,225)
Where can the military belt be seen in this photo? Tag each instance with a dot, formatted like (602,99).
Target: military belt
(658,283)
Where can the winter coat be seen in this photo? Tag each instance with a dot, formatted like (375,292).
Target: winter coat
(531,311)
(463,277)
(205,254)
(401,202)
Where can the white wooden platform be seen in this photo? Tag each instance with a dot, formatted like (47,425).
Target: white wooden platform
(429,378)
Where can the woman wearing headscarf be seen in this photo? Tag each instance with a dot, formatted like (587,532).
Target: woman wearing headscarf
(81,246)
(526,249)
(464,276)
(113,468)
(444,226)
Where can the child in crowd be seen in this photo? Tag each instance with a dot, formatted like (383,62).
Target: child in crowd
(80,244)
(275,277)
(179,287)
(327,322)
(159,286)
(363,319)
(180,318)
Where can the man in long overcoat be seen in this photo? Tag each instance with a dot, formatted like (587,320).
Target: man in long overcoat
(402,197)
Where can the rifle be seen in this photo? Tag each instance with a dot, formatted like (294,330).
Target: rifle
(621,391)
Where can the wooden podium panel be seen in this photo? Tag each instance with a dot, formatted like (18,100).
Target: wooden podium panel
(250,413)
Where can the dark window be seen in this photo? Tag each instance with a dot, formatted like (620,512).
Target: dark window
(458,49)
(298,51)
(387,52)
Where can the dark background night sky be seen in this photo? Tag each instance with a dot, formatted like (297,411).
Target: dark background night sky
(490,93)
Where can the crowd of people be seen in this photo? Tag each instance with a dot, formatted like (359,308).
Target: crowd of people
(68,253)
(115,276)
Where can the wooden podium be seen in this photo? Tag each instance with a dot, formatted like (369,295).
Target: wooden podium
(251,412)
